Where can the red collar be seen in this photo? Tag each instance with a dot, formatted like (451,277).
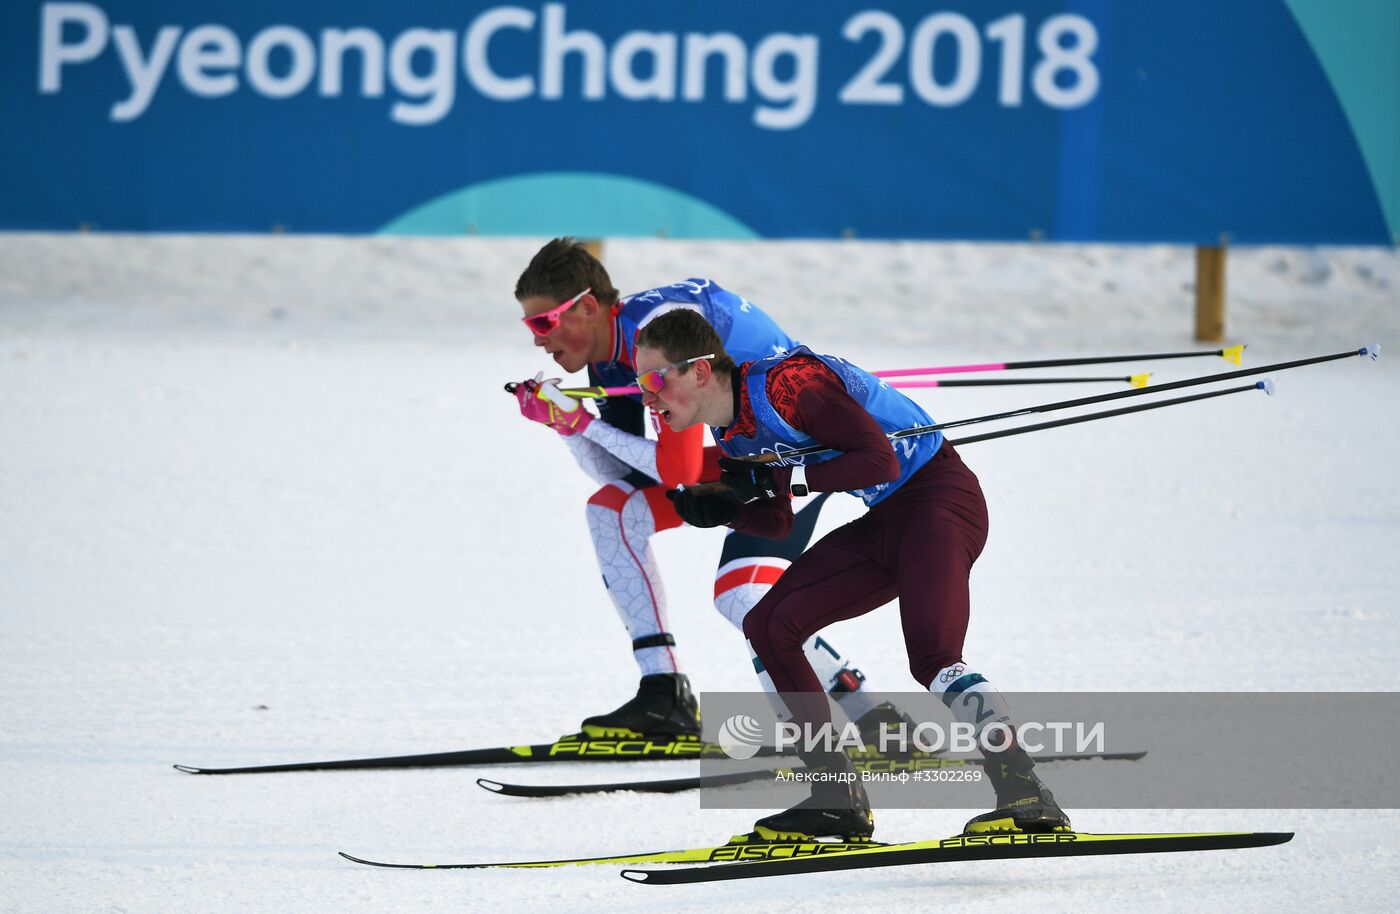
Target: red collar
(617,352)
(620,353)
(744,423)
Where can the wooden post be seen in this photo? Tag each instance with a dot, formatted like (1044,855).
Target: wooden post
(595,247)
(1210,294)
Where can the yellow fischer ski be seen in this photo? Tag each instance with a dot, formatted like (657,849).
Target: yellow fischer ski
(996,846)
(747,847)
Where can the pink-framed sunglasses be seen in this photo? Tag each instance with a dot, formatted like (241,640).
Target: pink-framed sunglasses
(654,381)
(543,324)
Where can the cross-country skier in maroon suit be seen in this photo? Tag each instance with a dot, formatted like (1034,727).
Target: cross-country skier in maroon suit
(926,526)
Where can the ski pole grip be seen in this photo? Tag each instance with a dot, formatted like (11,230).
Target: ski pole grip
(553,394)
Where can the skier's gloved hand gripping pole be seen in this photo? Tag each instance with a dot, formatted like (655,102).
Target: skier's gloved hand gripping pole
(702,509)
(746,480)
(1267,386)
(541,401)
(741,481)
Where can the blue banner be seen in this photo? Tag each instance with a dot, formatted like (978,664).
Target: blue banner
(1254,121)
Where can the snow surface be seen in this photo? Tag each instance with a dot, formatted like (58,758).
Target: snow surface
(261,499)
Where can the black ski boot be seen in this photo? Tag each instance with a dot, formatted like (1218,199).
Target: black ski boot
(837,808)
(664,706)
(884,715)
(1024,803)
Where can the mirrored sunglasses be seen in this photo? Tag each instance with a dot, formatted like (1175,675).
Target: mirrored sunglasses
(654,381)
(544,323)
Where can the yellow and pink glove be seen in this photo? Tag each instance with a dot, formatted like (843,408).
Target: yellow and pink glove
(543,402)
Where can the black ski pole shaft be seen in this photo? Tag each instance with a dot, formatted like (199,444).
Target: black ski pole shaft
(1121,394)
(1230,353)
(1014,382)
(1266,385)
(1137,380)
(1373,351)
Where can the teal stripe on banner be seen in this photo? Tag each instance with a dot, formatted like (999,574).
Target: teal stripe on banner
(1358,44)
(583,204)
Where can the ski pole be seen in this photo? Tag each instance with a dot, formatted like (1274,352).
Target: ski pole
(1137,380)
(586,393)
(1266,385)
(1373,351)
(598,393)
(1233,354)
(1230,353)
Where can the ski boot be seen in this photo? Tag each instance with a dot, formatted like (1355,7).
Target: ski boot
(837,808)
(664,706)
(849,691)
(1024,803)
(871,721)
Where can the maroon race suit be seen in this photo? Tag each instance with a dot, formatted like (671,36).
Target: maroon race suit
(917,545)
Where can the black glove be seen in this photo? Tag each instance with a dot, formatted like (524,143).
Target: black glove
(749,481)
(703,510)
